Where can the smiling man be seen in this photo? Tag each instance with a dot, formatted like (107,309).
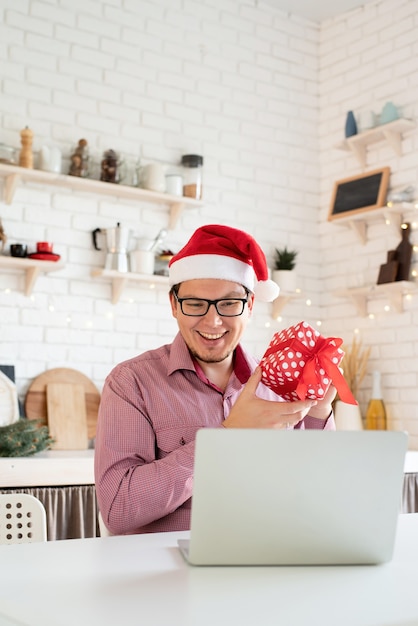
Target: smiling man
(153,405)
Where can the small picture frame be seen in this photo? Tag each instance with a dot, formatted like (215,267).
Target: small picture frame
(359,194)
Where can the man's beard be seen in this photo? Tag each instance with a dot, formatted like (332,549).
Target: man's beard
(209,359)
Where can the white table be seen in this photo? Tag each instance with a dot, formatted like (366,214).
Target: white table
(144,580)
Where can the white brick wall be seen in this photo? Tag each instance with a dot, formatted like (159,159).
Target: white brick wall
(263,97)
(369,57)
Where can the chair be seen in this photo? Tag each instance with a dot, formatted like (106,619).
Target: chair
(104,531)
(22,519)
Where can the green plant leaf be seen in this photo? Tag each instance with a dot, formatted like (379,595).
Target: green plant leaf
(285,259)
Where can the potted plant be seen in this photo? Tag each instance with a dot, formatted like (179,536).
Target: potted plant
(284,269)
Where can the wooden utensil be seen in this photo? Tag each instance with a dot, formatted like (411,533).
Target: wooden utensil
(67,416)
(36,402)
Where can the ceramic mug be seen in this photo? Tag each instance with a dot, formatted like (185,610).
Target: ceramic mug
(152,177)
(367,120)
(18,250)
(142,261)
(51,159)
(44,247)
(174,184)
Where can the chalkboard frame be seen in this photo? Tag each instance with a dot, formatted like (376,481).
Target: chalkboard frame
(372,186)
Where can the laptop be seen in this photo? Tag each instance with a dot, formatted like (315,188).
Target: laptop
(279,497)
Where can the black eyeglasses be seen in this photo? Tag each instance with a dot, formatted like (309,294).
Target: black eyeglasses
(225,307)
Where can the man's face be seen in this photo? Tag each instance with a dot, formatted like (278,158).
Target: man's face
(211,338)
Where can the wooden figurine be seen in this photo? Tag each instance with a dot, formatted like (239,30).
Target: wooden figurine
(26,154)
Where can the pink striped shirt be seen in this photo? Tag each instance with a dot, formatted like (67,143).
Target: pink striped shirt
(150,411)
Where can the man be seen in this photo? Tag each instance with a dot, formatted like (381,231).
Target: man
(153,405)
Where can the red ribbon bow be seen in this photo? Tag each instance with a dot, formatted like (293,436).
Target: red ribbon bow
(322,358)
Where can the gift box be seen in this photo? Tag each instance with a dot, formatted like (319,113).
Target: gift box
(301,364)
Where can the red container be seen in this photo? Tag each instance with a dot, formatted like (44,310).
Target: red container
(44,246)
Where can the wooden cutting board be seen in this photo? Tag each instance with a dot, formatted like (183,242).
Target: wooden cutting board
(36,401)
(67,416)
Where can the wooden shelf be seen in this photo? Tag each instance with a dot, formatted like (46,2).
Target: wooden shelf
(119,280)
(13,175)
(395,292)
(31,267)
(391,213)
(282,300)
(391,133)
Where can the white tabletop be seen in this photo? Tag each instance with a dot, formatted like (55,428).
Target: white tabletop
(144,580)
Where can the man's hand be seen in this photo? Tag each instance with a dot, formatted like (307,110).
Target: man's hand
(249,411)
(323,407)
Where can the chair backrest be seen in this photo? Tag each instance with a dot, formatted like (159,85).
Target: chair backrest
(104,531)
(22,518)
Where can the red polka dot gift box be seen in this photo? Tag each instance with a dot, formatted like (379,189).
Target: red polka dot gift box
(300,364)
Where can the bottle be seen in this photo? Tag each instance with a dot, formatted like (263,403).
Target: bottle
(192,175)
(404,253)
(376,412)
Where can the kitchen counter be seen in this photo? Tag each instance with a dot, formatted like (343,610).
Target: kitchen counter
(411,462)
(76,467)
(64,482)
(51,467)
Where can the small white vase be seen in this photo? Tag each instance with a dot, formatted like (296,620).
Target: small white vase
(286,279)
(347,416)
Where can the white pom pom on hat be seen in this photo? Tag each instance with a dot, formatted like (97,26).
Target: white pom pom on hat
(225,253)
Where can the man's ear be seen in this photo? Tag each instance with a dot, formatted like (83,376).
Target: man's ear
(250,304)
(173,303)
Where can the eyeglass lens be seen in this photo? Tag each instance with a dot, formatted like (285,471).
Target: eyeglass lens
(226,308)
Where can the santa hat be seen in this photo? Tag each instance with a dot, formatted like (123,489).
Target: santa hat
(225,253)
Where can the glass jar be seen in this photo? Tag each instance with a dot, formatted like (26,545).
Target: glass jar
(192,175)
(7,154)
